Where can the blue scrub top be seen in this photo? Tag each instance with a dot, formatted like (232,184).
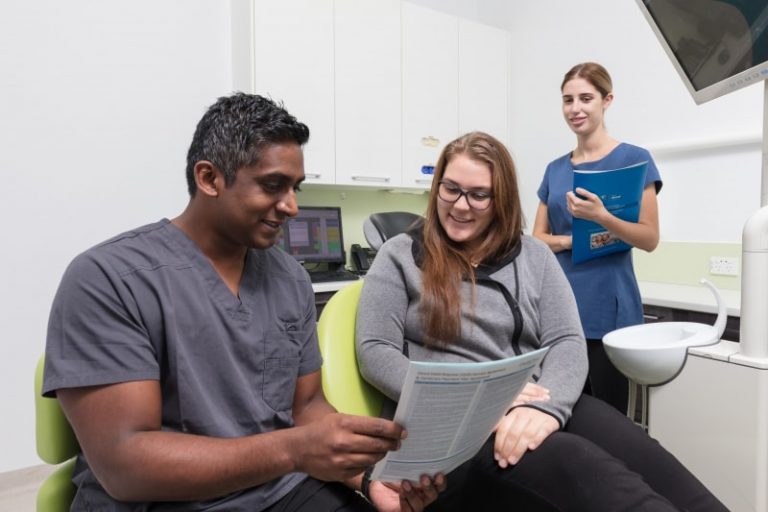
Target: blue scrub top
(605,288)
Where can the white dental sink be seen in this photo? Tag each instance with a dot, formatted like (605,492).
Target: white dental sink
(653,354)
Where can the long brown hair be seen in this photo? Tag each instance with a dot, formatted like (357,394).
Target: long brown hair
(447,262)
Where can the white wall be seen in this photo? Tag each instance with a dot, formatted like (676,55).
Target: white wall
(98,103)
(491,12)
(707,195)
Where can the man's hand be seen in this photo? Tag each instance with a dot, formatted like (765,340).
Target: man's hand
(407,497)
(524,428)
(339,446)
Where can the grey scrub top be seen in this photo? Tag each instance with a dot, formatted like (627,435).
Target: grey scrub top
(148,305)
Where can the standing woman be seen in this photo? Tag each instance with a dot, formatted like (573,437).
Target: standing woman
(606,289)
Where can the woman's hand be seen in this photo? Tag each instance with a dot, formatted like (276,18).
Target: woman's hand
(407,496)
(522,429)
(531,393)
(543,231)
(589,206)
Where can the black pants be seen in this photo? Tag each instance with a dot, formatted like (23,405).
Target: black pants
(601,461)
(605,381)
(317,496)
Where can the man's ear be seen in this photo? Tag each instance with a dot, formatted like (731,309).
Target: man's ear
(208,178)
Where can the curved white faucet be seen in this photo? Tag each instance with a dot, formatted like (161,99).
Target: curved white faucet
(722,314)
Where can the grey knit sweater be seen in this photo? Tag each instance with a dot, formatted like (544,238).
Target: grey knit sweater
(388,316)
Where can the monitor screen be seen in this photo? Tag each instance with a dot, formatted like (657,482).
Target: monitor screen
(314,235)
(716,46)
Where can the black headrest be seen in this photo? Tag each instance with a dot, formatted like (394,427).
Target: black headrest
(389,224)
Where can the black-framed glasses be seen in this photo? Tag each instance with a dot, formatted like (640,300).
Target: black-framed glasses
(476,199)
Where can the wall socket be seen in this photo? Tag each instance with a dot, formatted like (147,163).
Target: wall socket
(724,265)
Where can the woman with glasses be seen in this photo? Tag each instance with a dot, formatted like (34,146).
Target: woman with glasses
(467,285)
(605,288)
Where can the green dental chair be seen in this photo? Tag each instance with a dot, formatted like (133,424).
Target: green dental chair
(343,385)
(56,444)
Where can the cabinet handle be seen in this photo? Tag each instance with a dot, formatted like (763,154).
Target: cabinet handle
(652,318)
(423,181)
(313,175)
(377,179)
(430,141)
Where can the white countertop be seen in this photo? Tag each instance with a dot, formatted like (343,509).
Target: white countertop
(331,286)
(692,298)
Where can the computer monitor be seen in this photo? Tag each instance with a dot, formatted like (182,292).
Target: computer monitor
(716,46)
(315,236)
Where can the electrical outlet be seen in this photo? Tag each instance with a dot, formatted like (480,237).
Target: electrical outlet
(724,265)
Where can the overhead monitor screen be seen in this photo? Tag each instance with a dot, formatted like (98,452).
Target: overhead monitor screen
(716,46)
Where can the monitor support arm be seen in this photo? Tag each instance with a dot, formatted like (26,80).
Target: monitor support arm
(754,266)
(764,174)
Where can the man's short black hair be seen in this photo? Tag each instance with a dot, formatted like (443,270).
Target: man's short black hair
(233,131)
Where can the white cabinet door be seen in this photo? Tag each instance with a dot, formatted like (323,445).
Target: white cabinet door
(293,63)
(484,67)
(368,98)
(430,89)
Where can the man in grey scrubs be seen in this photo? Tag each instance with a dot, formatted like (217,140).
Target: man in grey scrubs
(184,352)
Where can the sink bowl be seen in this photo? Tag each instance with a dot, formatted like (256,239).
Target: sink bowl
(653,354)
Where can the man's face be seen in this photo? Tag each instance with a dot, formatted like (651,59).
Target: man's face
(253,208)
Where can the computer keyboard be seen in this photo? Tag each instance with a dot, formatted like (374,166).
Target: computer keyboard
(324,276)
